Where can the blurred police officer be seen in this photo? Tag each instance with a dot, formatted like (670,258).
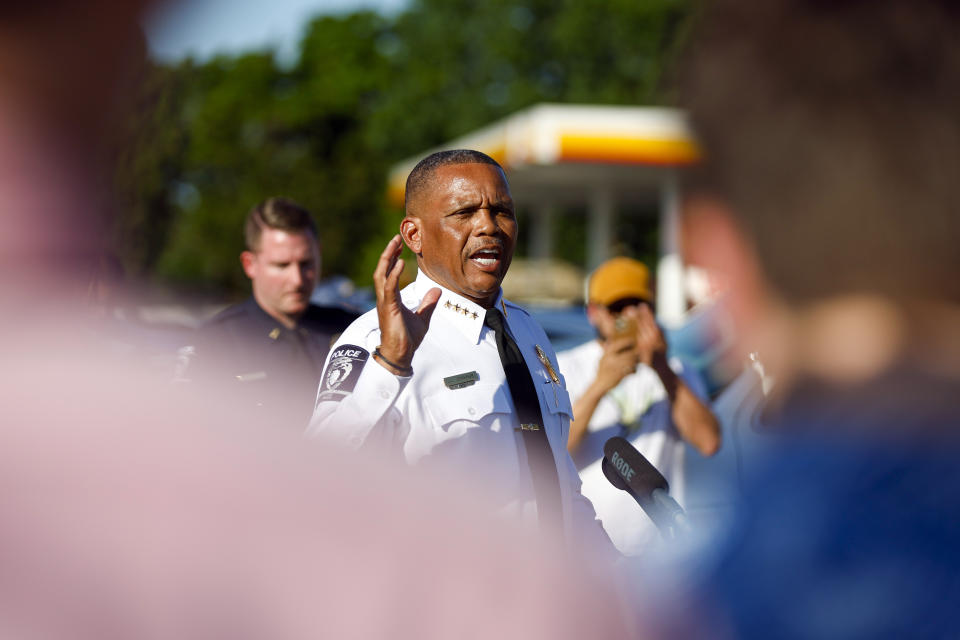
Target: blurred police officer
(271,347)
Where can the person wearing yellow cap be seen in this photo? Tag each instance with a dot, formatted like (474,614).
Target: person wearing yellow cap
(621,384)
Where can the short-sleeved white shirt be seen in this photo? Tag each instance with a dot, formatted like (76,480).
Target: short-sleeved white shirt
(467,430)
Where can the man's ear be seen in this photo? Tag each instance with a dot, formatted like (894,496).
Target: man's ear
(714,238)
(249,261)
(592,312)
(410,231)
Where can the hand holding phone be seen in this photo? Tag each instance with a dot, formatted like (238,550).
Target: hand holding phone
(625,326)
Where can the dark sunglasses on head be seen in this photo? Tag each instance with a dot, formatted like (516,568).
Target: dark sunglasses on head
(617,306)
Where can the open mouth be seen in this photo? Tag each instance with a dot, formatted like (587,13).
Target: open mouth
(486,258)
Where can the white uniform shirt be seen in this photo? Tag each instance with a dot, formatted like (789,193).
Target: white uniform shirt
(637,409)
(469,428)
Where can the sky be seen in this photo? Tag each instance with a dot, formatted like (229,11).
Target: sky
(203,28)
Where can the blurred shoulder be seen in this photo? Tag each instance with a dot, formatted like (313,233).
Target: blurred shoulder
(235,313)
(239,321)
(328,319)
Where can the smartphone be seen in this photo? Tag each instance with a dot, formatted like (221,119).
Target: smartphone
(625,326)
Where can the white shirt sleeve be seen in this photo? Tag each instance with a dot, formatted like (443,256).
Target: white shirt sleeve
(356,401)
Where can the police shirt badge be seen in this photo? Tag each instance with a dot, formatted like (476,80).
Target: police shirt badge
(343,369)
(461,380)
(554,378)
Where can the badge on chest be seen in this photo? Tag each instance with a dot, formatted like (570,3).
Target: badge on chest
(461,380)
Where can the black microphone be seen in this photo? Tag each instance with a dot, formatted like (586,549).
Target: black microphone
(628,470)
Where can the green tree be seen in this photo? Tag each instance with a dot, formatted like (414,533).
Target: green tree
(366,91)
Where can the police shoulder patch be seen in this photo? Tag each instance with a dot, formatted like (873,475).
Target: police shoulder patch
(343,369)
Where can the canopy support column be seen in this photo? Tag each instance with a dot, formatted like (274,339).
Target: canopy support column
(540,244)
(599,226)
(671,298)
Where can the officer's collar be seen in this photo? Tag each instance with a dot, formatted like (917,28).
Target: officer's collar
(270,326)
(464,314)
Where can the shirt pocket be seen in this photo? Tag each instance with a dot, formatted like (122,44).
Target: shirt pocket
(455,410)
(559,406)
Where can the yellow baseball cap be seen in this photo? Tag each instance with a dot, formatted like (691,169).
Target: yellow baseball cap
(617,279)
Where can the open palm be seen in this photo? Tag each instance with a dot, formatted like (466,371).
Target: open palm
(401,329)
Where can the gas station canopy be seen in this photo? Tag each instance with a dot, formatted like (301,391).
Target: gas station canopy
(563,153)
(591,157)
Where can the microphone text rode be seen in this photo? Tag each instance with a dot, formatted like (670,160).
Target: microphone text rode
(627,469)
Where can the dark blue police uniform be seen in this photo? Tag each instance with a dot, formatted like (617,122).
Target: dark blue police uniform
(264,366)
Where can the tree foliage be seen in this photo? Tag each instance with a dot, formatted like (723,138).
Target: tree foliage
(212,139)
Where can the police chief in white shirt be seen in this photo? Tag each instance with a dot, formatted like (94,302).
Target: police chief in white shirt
(422,373)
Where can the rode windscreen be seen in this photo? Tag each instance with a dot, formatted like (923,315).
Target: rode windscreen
(628,470)
(632,468)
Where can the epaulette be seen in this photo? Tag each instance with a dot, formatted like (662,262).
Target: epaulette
(229,313)
(512,306)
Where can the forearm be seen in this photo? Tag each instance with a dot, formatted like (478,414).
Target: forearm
(583,410)
(692,418)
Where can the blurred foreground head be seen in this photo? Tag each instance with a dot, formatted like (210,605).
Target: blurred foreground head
(67,70)
(828,198)
(832,150)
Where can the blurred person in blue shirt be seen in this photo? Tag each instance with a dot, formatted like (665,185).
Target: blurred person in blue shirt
(827,198)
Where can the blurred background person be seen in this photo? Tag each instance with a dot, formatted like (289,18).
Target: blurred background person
(621,384)
(270,349)
(828,199)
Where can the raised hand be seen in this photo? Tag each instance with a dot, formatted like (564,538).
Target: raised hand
(651,344)
(401,330)
(618,361)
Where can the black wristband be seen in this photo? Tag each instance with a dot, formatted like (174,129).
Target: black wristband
(406,372)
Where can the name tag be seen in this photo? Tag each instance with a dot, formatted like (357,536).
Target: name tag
(461,380)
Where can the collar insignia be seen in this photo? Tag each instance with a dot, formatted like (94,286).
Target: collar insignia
(456,307)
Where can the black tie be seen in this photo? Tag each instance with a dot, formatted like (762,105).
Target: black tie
(546,485)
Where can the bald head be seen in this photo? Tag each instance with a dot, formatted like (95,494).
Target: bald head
(422,178)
